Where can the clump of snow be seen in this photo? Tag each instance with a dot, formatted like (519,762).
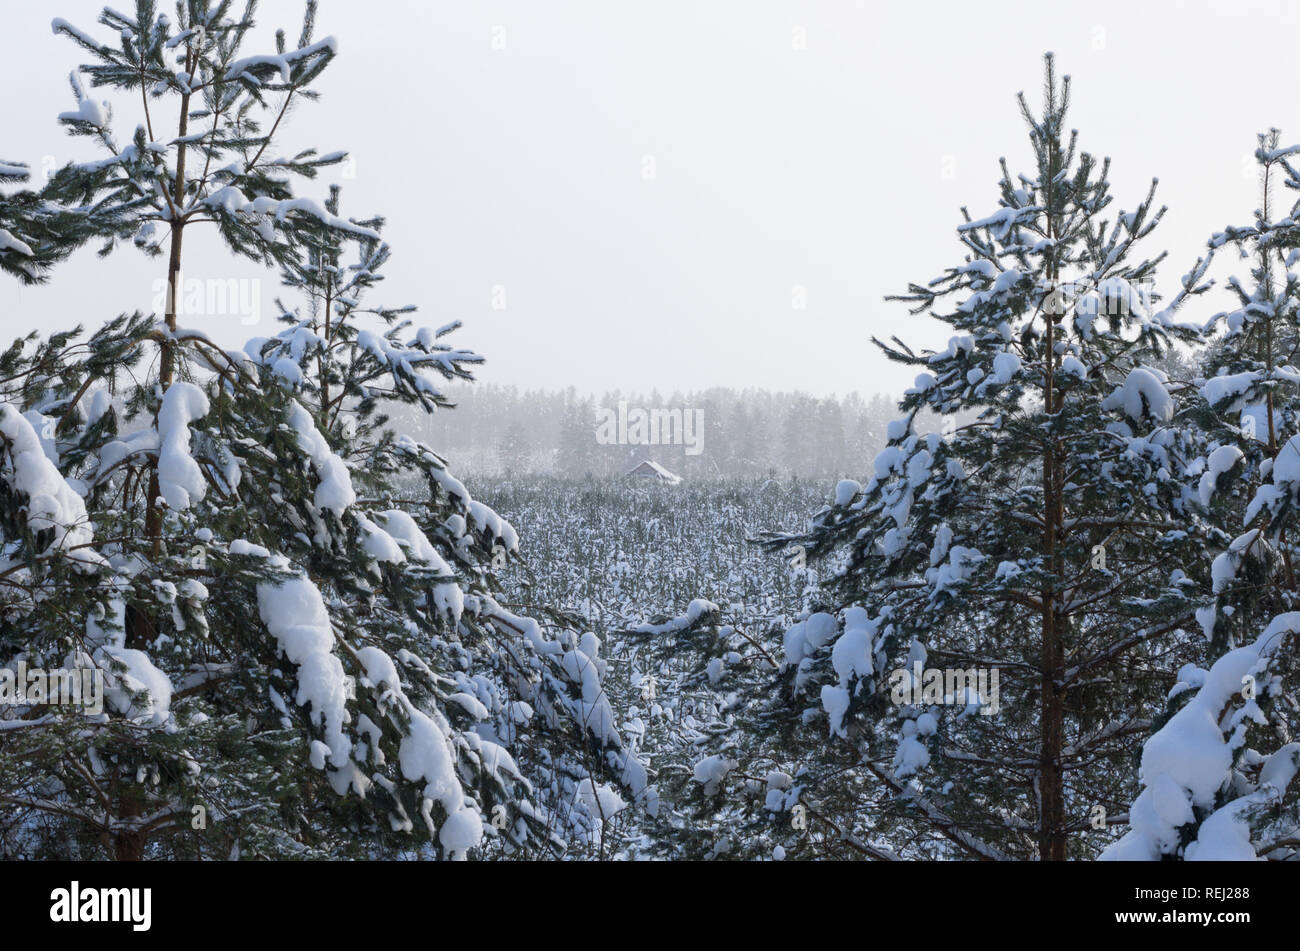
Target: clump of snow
(415,545)
(888,460)
(10,243)
(1071,366)
(180,480)
(280,62)
(460,832)
(600,799)
(846,490)
(295,614)
(1285,484)
(1220,461)
(425,756)
(133,685)
(712,772)
(334,491)
(1219,390)
(1286,467)
(804,638)
(1142,396)
(697,609)
(961,344)
(912,755)
(835,701)
(851,655)
(1005,366)
(379,667)
(51,503)
(88,110)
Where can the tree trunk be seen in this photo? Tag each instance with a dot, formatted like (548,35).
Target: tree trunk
(166,357)
(128,846)
(1051,837)
(1051,781)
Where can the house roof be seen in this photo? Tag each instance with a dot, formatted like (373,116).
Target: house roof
(649,469)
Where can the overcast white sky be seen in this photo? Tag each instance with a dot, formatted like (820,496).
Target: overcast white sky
(839,167)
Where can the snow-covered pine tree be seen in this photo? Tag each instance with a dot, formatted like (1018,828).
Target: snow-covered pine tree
(1208,791)
(297,663)
(152,189)
(1044,541)
(1248,404)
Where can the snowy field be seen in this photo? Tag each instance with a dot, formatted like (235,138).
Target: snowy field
(618,552)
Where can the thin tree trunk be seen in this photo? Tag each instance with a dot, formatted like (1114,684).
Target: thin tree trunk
(1051,789)
(129,846)
(1051,840)
(166,369)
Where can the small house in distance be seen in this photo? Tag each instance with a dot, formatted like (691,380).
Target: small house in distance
(652,470)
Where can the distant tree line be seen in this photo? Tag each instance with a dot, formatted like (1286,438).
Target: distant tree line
(741,432)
